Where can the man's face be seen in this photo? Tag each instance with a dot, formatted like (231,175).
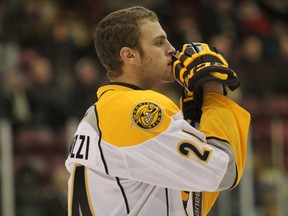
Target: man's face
(155,67)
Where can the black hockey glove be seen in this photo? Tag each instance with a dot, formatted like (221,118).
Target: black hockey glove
(196,64)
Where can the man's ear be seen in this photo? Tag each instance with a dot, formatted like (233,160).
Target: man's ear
(128,55)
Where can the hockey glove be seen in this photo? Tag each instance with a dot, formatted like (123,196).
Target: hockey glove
(190,107)
(196,64)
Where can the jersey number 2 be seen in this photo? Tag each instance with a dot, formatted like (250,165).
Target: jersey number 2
(186,148)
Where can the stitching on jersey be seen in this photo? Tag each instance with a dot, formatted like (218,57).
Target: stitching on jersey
(167,200)
(223,140)
(124,195)
(105,92)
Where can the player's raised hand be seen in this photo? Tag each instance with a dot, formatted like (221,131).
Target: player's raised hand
(195,66)
(198,63)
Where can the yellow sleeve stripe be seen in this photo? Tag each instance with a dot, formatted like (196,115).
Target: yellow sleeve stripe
(88,192)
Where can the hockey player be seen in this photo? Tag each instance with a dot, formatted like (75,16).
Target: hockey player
(135,152)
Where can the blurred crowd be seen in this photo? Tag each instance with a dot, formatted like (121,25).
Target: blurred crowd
(49,73)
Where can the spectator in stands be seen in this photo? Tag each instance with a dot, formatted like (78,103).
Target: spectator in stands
(61,51)
(219,17)
(281,61)
(87,79)
(48,102)
(254,72)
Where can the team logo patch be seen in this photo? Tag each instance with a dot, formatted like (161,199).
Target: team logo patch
(147,115)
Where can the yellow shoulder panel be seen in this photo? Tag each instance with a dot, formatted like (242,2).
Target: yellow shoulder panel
(129,117)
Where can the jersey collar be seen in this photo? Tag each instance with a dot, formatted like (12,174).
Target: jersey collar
(134,87)
(116,86)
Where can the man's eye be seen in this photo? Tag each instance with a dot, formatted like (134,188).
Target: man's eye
(160,42)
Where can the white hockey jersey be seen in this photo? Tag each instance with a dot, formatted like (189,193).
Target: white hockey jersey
(134,154)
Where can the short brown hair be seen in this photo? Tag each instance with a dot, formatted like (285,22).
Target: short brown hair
(116,30)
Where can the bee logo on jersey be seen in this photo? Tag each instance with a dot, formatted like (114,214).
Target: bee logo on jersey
(147,115)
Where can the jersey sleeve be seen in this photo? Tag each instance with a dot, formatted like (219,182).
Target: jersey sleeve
(224,120)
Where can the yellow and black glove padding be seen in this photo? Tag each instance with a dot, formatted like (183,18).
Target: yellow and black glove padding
(190,107)
(198,63)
